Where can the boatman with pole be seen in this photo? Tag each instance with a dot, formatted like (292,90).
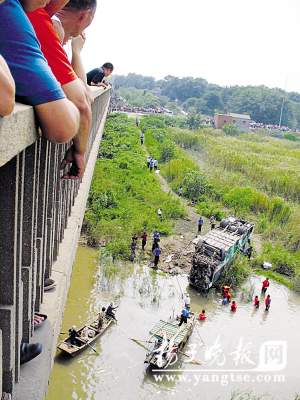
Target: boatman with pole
(101,317)
(73,335)
(110,312)
(184,316)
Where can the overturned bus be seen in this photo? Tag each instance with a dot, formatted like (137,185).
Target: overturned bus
(217,249)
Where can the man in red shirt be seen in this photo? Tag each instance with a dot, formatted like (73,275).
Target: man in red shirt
(265,285)
(233,306)
(202,316)
(81,13)
(144,240)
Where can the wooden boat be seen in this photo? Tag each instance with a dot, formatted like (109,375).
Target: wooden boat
(169,341)
(81,344)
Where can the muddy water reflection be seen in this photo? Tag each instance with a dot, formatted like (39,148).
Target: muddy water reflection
(231,341)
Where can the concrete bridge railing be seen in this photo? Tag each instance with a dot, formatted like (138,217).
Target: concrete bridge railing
(36,209)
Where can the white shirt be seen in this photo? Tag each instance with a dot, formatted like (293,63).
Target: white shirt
(187,300)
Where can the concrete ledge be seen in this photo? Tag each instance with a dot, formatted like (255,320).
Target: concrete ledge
(19,130)
(54,302)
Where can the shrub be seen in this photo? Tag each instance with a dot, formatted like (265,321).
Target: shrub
(296,285)
(195,185)
(167,152)
(245,199)
(281,259)
(231,130)
(279,211)
(209,208)
(290,136)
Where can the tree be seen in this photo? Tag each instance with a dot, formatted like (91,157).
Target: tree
(194,121)
(195,185)
(213,102)
(197,96)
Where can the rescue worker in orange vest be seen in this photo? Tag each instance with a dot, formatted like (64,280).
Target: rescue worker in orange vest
(233,306)
(228,297)
(202,316)
(265,285)
(256,302)
(226,289)
(268,302)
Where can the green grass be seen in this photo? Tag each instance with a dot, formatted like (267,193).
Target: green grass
(124,195)
(252,176)
(275,276)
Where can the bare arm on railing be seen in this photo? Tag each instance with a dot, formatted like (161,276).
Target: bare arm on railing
(77,64)
(7,89)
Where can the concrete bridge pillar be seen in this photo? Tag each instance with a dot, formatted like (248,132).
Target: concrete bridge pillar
(36,215)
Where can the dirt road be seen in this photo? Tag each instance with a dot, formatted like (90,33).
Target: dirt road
(178,249)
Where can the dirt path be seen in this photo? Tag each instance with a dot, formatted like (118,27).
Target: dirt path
(178,249)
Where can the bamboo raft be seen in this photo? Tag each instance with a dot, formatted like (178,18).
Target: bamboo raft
(175,338)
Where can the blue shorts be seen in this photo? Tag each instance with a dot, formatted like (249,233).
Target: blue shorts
(35,83)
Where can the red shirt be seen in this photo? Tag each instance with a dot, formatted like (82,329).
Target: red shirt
(266,283)
(228,296)
(202,317)
(51,46)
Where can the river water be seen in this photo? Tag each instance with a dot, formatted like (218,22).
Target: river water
(249,351)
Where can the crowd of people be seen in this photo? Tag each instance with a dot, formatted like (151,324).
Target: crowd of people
(36,70)
(156,249)
(212,222)
(119,104)
(227,297)
(254,126)
(152,163)
(227,300)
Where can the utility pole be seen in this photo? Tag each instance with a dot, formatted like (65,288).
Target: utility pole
(282,105)
(281,111)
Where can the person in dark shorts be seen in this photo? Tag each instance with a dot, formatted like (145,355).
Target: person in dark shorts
(96,77)
(265,285)
(200,224)
(156,240)
(157,253)
(144,240)
(268,302)
(184,316)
